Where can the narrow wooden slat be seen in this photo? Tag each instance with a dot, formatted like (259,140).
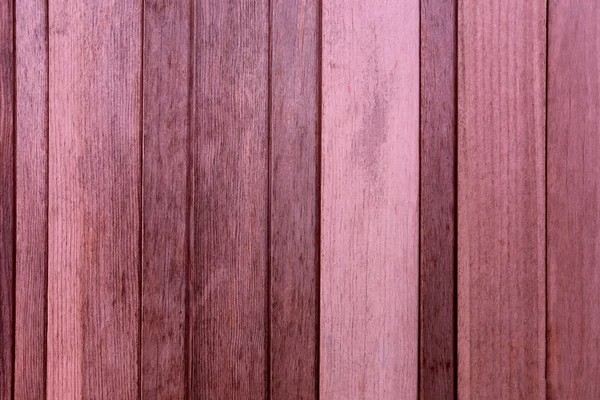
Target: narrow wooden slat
(32,199)
(369,204)
(501,199)
(229,189)
(166,126)
(7,206)
(573,200)
(437,364)
(294,202)
(94,199)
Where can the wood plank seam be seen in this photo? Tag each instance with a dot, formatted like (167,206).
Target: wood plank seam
(47,193)
(141,204)
(546,298)
(319,177)
(188,204)
(455,231)
(269,283)
(14,193)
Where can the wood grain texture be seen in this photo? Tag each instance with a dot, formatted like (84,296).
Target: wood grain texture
(166,128)
(32,199)
(573,200)
(7,204)
(437,364)
(294,199)
(229,210)
(94,199)
(501,199)
(369,205)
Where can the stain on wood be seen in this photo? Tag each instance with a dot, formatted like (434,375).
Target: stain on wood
(369,203)
(501,199)
(7,203)
(32,199)
(573,200)
(229,200)
(164,179)
(437,366)
(94,199)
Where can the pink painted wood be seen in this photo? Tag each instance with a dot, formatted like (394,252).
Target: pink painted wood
(32,199)
(501,199)
(94,198)
(369,203)
(294,199)
(573,200)
(167,27)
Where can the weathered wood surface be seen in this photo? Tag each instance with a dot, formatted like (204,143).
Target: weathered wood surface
(437,363)
(294,164)
(573,364)
(7,203)
(94,199)
(229,194)
(165,178)
(369,203)
(501,199)
(31,42)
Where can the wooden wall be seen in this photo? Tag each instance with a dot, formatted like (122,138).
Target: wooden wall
(281,199)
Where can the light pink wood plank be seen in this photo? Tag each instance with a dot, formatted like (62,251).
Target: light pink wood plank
(32,199)
(573,200)
(501,199)
(94,198)
(369,205)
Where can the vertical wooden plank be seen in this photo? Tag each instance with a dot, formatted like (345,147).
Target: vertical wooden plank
(166,126)
(32,199)
(7,206)
(573,200)
(229,189)
(94,199)
(438,209)
(501,199)
(370,185)
(294,202)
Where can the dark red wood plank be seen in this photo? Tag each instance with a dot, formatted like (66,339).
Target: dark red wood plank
(573,364)
(94,198)
(32,199)
(166,127)
(501,199)
(437,364)
(229,189)
(7,205)
(294,201)
(370,200)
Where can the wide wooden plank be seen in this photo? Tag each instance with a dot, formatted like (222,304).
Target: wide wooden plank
(573,200)
(369,204)
(94,199)
(437,363)
(166,128)
(501,199)
(32,199)
(229,194)
(7,206)
(294,199)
